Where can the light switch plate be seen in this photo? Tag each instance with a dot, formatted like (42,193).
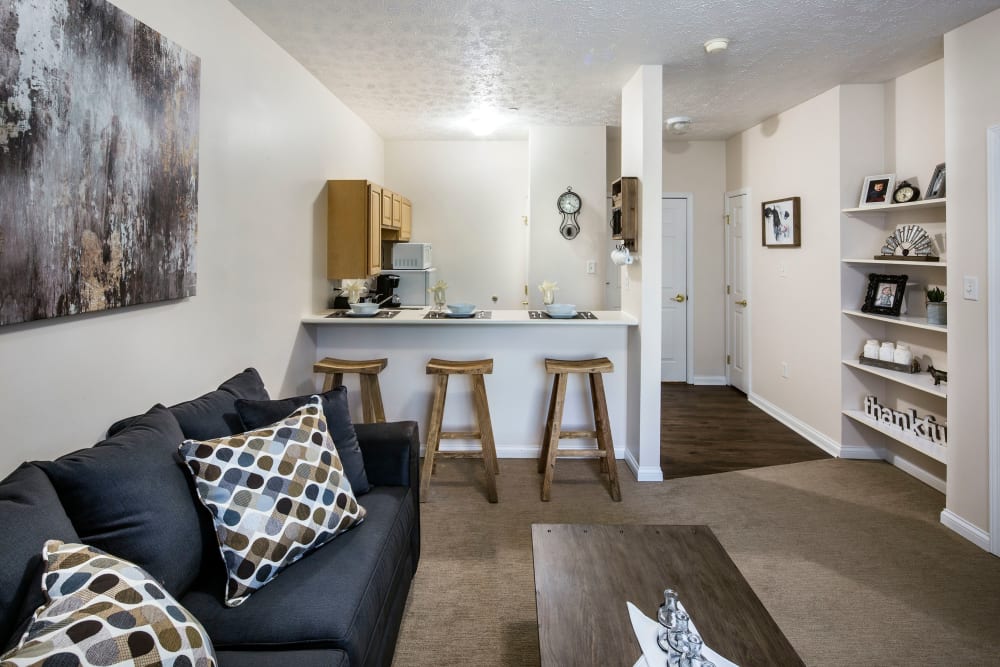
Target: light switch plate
(970,288)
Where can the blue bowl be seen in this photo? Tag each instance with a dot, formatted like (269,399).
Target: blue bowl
(462,308)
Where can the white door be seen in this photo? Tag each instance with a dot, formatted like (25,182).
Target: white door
(673,359)
(737,315)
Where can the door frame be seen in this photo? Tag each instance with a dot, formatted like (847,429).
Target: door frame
(726,281)
(993,328)
(688,278)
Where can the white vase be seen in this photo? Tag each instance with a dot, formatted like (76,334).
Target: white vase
(902,355)
(887,351)
(871,349)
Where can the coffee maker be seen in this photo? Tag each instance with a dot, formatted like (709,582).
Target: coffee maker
(385,290)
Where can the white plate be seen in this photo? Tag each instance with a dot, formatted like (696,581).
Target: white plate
(351,313)
(562,316)
(461,315)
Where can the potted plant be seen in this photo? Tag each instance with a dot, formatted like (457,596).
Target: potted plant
(937,307)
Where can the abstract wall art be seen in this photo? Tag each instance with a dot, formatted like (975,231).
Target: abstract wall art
(98,161)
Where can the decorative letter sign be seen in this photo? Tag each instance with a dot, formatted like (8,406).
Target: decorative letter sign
(922,427)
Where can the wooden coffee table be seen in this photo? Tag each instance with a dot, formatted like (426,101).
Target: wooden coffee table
(584,575)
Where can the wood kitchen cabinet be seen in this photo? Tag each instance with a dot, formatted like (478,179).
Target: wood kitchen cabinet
(397,211)
(354,228)
(387,208)
(406,220)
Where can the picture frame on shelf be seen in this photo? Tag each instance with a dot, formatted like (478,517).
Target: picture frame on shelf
(877,190)
(781,223)
(936,187)
(885,294)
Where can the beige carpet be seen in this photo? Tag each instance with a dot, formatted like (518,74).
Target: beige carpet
(849,557)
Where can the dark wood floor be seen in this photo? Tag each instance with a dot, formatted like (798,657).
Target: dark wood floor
(706,430)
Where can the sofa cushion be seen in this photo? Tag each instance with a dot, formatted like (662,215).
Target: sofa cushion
(275,494)
(213,415)
(130,496)
(30,514)
(102,610)
(331,598)
(255,414)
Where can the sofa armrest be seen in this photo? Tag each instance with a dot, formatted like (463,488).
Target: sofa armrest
(391,452)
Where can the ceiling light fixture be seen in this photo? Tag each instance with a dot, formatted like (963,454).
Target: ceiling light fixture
(717,45)
(483,122)
(679,124)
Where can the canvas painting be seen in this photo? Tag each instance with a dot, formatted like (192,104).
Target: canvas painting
(98,161)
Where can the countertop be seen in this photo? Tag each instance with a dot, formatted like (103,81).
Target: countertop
(411,317)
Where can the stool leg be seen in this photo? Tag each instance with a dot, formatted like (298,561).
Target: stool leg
(366,400)
(375,394)
(328,382)
(603,427)
(553,445)
(433,433)
(489,448)
(544,456)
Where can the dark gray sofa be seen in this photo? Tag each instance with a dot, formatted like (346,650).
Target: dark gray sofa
(340,605)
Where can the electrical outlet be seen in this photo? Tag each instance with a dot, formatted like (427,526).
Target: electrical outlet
(782,271)
(970,288)
(784,369)
(591,266)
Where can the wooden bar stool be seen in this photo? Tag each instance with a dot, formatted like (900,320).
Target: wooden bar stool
(605,451)
(367,371)
(488,452)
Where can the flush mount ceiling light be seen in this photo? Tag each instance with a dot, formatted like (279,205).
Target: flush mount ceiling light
(484,122)
(679,124)
(717,45)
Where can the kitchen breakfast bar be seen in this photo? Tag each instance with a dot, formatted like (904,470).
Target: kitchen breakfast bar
(518,389)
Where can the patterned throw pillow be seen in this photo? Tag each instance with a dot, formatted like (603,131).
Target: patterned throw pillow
(276,493)
(103,610)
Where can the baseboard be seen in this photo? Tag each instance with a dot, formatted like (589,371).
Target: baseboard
(861,452)
(821,440)
(505,451)
(910,468)
(710,380)
(974,534)
(643,474)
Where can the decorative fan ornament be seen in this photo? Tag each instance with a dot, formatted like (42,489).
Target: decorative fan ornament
(909,241)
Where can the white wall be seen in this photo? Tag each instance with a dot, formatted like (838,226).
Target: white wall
(270,137)
(469,199)
(562,157)
(972,104)
(795,317)
(699,167)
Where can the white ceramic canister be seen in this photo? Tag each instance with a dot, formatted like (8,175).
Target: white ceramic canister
(871,348)
(902,355)
(887,351)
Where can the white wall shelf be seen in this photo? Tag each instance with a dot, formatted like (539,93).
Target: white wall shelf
(922,381)
(933,450)
(915,321)
(892,262)
(892,208)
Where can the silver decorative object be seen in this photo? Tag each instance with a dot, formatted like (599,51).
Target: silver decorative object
(683,647)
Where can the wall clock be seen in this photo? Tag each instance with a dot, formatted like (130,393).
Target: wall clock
(569,204)
(905,193)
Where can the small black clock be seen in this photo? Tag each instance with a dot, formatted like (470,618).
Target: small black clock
(905,193)
(569,204)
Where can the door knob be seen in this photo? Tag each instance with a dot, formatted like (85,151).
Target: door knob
(680,298)
(742,303)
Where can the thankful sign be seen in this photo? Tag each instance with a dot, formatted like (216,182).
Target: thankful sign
(922,427)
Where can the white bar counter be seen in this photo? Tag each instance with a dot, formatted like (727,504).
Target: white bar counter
(518,388)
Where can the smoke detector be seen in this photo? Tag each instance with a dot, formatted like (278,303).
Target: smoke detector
(717,45)
(679,124)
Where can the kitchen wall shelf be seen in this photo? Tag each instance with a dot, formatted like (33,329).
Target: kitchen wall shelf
(922,380)
(935,451)
(891,262)
(892,208)
(916,321)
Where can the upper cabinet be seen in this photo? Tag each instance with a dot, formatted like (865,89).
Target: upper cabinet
(360,216)
(406,222)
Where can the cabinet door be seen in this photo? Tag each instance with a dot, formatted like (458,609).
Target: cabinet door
(397,211)
(406,224)
(387,208)
(374,229)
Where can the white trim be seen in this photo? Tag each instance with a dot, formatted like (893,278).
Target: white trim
(727,280)
(647,474)
(710,380)
(972,533)
(688,279)
(993,327)
(506,451)
(937,483)
(821,440)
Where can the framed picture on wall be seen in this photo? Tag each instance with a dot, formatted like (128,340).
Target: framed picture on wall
(877,190)
(781,225)
(885,294)
(936,187)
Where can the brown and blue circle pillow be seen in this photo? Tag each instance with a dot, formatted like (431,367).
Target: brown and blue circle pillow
(103,610)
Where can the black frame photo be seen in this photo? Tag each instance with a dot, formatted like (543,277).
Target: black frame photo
(936,187)
(885,294)
(877,190)
(781,223)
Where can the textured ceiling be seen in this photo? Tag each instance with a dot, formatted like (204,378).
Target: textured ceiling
(414,69)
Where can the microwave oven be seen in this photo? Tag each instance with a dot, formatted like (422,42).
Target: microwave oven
(411,256)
